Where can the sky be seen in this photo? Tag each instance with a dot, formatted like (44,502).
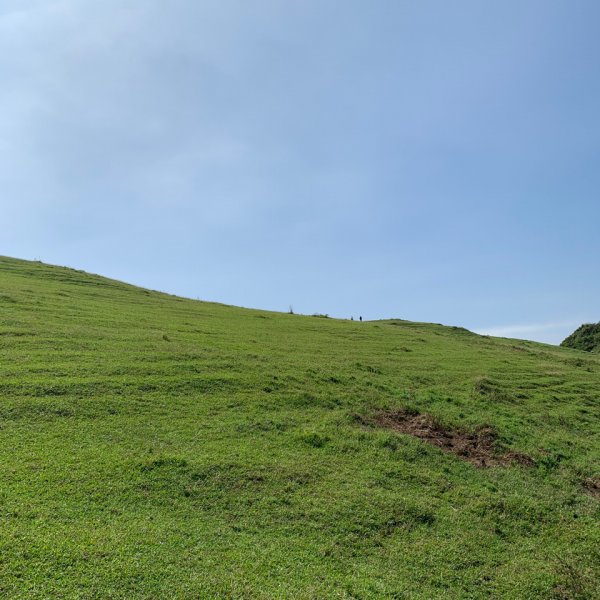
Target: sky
(427,160)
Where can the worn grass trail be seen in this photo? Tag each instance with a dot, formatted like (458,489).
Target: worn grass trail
(158,447)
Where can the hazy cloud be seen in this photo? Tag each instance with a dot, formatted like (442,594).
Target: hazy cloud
(552,333)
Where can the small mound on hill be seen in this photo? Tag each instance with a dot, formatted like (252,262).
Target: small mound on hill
(586,337)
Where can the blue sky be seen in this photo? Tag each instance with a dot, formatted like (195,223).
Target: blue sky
(428,160)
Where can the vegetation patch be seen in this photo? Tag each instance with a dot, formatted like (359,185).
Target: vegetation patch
(490,390)
(578,582)
(586,337)
(479,447)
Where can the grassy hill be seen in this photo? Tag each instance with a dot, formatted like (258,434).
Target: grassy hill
(586,337)
(158,447)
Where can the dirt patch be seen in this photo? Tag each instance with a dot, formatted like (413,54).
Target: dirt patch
(592,486)
(479,447)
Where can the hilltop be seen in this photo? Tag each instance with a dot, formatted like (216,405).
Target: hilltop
(158,447)
(586,337)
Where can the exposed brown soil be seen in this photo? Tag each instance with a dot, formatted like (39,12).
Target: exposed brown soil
(479,447)
(592,486)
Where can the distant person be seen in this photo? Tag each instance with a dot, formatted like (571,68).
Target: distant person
(360,318)
(352,318)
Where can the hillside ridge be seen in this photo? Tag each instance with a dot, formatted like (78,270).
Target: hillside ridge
(156,446)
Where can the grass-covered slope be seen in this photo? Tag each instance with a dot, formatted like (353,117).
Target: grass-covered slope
(586,337)
(157,447)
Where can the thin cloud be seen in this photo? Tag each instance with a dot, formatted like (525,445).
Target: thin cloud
(551,332)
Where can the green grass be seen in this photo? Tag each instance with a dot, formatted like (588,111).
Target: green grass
(158,447)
